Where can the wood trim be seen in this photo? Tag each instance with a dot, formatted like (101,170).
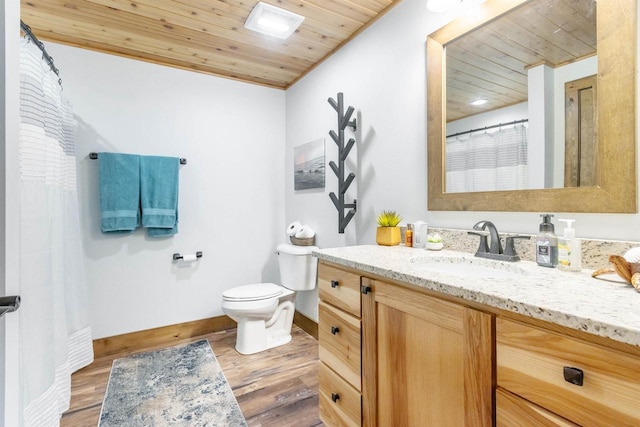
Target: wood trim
(479,382)
(580,112)
(369,355)
(165,334)
(461,26)
(306,324)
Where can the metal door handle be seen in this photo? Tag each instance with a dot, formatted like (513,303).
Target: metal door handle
(9,304)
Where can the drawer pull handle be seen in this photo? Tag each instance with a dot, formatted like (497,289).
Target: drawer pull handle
(334,330)
(335,397)
(573,375)
(334,283)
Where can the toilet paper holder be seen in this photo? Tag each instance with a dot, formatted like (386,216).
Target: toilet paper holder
(178,256)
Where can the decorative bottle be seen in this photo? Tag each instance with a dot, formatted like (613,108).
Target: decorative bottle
(408,236)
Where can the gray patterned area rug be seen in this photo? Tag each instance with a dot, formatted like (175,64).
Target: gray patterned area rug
(177,386)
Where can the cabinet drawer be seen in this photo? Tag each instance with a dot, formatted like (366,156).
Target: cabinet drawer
(339,339)
(513,411)
(340,404)
(531,363)
(339,288)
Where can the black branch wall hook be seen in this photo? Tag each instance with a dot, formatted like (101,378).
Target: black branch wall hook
(344,121)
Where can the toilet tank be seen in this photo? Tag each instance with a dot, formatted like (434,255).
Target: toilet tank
(298,268)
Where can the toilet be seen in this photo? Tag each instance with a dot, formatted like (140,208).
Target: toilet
(264,311)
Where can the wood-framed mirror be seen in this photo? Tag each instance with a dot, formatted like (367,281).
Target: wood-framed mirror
(615,119)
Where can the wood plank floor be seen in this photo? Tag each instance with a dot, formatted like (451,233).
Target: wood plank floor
(277,387)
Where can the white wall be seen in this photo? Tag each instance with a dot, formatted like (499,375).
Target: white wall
(382,73)
(237,190)
(231,200)
(541,124)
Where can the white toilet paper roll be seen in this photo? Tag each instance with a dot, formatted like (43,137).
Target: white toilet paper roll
(189,257)
(293,228)
(305,232)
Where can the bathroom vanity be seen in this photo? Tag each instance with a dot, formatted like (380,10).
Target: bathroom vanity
(413,338)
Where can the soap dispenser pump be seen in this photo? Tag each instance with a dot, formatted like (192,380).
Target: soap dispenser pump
(547,243)
(569,248)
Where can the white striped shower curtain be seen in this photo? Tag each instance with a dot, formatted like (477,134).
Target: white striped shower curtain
(55,335)
(487,161)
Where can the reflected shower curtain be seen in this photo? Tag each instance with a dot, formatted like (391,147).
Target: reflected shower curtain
(487,161)
(55,336)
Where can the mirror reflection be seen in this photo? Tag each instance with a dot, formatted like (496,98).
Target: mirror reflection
(521,100)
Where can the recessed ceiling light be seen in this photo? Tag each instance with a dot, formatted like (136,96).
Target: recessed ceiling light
(273,21)
(477,102)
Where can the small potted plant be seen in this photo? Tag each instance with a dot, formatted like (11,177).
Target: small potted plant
(434,242)
(388,232)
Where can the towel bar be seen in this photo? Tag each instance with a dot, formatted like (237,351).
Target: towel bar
(94,156)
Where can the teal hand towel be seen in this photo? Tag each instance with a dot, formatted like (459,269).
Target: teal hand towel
(163,232)
(159,194)
(119,188)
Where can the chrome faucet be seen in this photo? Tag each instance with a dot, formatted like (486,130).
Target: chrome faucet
(493,250)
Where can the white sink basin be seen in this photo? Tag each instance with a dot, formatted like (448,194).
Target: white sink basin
(469,267)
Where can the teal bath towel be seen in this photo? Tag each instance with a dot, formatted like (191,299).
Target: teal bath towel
(159,194)
(119,188)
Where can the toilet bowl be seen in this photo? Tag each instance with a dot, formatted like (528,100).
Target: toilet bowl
(264,311)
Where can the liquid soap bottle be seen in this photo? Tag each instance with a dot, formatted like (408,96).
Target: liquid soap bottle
(547,243)
(569,248)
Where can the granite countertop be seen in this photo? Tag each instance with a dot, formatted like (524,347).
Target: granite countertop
(609,308)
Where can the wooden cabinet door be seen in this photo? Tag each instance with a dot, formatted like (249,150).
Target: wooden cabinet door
(426,362)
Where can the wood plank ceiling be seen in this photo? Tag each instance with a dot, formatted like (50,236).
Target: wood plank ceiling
(492,62)
(205,35)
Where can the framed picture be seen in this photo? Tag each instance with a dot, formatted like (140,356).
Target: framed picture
(308,165)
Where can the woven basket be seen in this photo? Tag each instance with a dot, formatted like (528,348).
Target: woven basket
(310,241)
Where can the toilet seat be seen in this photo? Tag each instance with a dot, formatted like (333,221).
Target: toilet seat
(255,292)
